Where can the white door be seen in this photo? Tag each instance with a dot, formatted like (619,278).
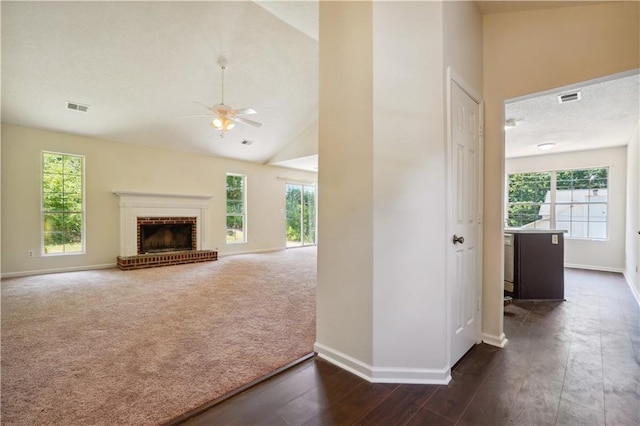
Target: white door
(464,222)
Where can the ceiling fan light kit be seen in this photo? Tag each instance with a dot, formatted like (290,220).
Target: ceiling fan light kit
(225,117)
(222,123)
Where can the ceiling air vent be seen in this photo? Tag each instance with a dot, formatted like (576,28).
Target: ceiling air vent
(569,97)
(77,107)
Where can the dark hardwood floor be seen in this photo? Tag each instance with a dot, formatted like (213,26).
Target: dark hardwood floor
(567,363)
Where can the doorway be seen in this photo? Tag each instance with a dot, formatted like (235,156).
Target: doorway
(566,166)
(301,215)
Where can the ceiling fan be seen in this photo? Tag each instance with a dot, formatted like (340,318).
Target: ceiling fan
(225,117)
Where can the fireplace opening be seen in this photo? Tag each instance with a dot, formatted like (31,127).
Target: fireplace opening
(167,237)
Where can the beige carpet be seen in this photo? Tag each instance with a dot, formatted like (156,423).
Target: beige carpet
(141,347)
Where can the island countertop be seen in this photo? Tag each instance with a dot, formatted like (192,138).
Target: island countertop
(534,231)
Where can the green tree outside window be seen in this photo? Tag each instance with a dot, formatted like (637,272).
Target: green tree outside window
(572,200)
(62,203)
(236,214)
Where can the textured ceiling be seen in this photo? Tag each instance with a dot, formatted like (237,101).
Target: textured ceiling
(141,65)
(605,116)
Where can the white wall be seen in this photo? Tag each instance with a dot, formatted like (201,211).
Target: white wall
(606,255)
(113,166)
(409,186)
(381,301)
(345,183)
(632,248)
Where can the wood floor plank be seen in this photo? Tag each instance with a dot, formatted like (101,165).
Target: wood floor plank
(572,414)
(450,401)
(537,402)
(250,407)
(364,398)
(622,407)
(328,391)
(495,398)
(400,406)
(424,416)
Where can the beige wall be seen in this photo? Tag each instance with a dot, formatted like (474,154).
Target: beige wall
(529,52)
(632,229)
(462,25)
(345,186)
(112,166)
(604,255)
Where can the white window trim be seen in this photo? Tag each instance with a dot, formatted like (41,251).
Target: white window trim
(244,210)
(84,206)
(552,200)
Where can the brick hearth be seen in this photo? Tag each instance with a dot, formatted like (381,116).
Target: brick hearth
(165,259)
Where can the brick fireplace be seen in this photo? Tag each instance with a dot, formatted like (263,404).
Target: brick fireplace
(162,229)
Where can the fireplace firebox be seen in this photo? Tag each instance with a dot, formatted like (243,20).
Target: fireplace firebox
(164,238)
(166,234)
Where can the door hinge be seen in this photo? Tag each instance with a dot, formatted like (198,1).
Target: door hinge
(480,130)
(478,306)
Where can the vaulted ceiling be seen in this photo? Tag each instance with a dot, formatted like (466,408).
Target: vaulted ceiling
(141,68)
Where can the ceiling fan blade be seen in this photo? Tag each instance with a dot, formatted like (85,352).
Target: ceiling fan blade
(244,111)
(245,121)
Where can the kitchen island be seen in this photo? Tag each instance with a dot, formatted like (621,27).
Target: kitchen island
(534,263)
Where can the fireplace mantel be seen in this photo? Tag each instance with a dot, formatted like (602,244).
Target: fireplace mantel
(148,204)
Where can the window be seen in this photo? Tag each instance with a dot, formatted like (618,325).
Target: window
(301,215)
(62,203)
(236,209)
(573,200)
(529,200)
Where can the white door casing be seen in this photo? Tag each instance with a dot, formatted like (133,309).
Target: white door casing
(465,220)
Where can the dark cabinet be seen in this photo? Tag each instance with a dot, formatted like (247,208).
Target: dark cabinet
(538,266)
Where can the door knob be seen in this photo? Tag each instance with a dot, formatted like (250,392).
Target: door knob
(457,239)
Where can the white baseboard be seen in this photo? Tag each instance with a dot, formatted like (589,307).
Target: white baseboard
(115,265)
(634,290)
(594,268)
(372,374)
(233,253)
(58,270)
(498,341)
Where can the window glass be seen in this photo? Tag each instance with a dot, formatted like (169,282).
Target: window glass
(578,201)
(236,210)
(62,203)
(529,200)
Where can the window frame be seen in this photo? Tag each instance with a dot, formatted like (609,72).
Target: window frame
(303,190)
(539,204)
(554,203)
(244,209)
(44,212)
